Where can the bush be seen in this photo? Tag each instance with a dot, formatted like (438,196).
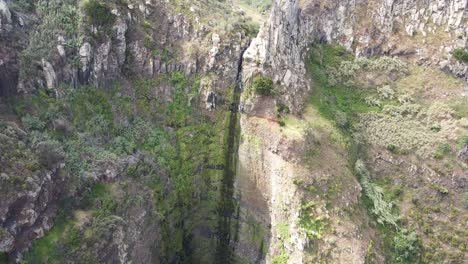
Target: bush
(461,55)
(263,85)
(281,108)
(465,200)
(442,150)
(122,145)
(341,119)
(381,208)
(98,13)
(462,141)
(250,28)
(407,247)
(32,123)
(50,153)
(392,148)
(22,5)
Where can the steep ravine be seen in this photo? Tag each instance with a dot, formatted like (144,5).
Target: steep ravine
(150,124)
(228,206)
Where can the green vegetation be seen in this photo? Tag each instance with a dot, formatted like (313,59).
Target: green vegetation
(22,5)
(250,28)
(280,259)
(358,95)
(407,247)
(334,99)
(465,200)
(59,18)
(342,93)
(282,231)
(380,207)
(261,5)
(98,13)
(314,225)
(461,55)
(462,141)
(65,237)
(88,127)
(442,150)
(263,86)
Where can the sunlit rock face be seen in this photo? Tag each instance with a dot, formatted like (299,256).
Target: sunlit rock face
(426,31)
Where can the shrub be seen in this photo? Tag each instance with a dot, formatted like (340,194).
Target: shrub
(341,119)
(441,189)
(263,85)
(98,13)
(123,145)
(32,122)
(22,5)
(280,259)
(407,247)
(281,108)
(392,148)
(462,141)
(442,150)
(57,18)
(436,128)
(147,25)
(50,153)
(465,200)
(251,28)
(461,55)
(381,208)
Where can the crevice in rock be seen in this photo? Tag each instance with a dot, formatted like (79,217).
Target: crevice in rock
(227,205)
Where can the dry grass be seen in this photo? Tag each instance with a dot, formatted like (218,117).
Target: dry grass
(82,217)
(250,11)
(427,84)
(311,119)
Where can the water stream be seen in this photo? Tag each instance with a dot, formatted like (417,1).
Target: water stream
(227,206)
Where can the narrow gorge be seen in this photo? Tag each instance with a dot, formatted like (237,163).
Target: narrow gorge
(233,131)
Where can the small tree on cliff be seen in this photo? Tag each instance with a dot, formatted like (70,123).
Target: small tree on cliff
(263,85)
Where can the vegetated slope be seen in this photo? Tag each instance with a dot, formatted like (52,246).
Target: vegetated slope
(133,172)
(116,151)
(113,158)
(413,141)
(396,93)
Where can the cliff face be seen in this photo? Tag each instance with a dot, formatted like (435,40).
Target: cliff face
(424,31)
(424,36)
(136,52)
(141,38)
(120,123)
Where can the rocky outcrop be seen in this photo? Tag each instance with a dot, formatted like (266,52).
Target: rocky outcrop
(8,58)
(5,18)
(30,194)
(34,187)
(370,27)
(147,41)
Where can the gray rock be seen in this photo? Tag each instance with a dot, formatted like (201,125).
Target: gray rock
(120,43)
(49,74)
(463,154)
(6,240)
(5,18)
